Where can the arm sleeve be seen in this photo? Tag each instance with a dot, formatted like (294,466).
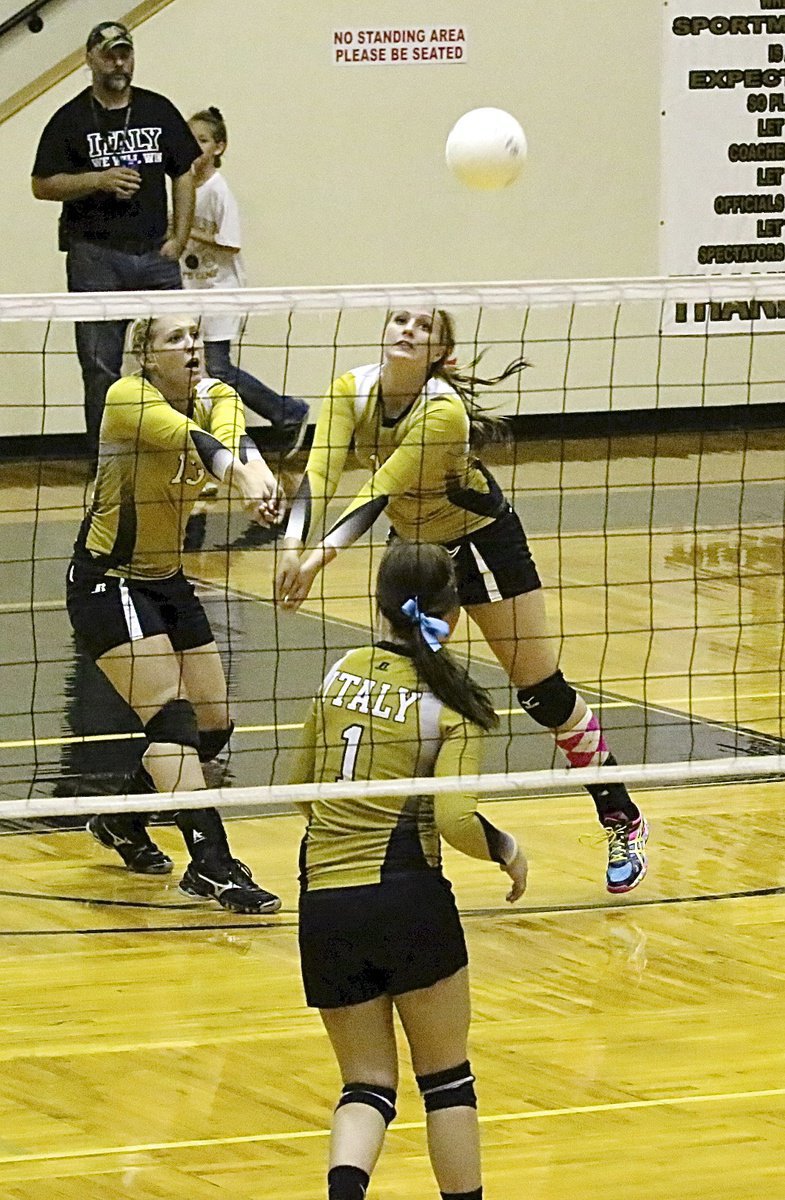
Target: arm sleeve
(249,451)
(417,465)
(227,417)
(331,439)
(455,813)
(302,769)
(137,413)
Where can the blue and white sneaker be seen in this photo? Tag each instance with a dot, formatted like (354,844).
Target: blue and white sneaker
(627,862)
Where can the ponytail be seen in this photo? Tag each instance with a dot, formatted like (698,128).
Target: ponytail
(415,587)
(450,682)
(464,381)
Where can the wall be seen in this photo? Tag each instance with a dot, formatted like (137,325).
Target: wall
(339,170)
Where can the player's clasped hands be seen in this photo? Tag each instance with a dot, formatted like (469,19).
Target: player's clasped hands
(262,496)
(123,181)
(295,575)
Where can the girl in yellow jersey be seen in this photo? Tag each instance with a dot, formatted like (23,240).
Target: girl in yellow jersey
(379,929)
(164,429)
(411,419)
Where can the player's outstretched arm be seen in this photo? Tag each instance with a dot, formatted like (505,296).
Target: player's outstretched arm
(456,815)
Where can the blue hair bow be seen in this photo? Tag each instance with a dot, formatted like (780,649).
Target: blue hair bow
(433,629)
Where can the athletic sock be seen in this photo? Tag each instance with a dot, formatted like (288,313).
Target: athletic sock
(612,799)
(205,836)
(347,1183)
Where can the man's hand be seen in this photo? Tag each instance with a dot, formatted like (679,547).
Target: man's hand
(124,182)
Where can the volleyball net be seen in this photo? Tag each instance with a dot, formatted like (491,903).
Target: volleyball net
(646,464)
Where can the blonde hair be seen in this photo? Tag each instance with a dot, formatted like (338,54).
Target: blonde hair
(140,335)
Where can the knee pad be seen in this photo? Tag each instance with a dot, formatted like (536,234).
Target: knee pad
(549,703)
(453,1088)
(174,724)
(375,1095)
(213,741)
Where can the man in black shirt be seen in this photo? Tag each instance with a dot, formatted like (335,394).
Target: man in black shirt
(105,156)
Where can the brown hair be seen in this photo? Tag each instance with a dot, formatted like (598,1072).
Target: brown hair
(213,117)
(425,572)
(465,382)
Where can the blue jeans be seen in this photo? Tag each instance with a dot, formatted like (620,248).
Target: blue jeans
(92,267)
(262,400)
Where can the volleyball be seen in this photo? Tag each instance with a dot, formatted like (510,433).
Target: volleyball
(486,149)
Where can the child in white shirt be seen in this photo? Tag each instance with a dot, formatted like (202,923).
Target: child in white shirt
(213,259)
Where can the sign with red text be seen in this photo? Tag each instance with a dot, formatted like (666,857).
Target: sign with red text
(400,45)
(723,148)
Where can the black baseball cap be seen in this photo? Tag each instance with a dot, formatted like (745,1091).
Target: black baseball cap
(108,34)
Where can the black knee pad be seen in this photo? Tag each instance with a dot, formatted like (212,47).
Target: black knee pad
(174,724)
(549,703)
(375,1095)
(213,741)
(138,783)
(453,1088)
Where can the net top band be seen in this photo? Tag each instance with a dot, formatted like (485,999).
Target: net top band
(57,306)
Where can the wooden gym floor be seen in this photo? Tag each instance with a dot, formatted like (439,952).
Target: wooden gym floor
(155,1048)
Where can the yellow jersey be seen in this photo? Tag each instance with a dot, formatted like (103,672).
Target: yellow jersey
(374,719)
(423,473)
(150,474)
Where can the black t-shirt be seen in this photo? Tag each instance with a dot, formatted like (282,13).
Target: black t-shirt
(149,135)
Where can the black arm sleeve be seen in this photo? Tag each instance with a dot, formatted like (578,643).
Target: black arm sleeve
(348,528)
(215,456)
(495,838)
(299,525)
(248,449)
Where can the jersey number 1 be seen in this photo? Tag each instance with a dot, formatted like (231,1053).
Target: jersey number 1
(352,735)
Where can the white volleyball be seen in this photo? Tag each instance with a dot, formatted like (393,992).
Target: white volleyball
(486,149)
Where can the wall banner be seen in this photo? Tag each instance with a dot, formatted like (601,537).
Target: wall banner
(723,153)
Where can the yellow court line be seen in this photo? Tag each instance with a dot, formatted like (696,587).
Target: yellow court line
(302,1134)
(29,743)
(72,739)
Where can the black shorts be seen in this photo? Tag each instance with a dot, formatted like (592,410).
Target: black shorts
(357,943)
(495,563)
(107,611)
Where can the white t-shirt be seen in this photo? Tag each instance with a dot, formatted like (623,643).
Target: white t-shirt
(211,264)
